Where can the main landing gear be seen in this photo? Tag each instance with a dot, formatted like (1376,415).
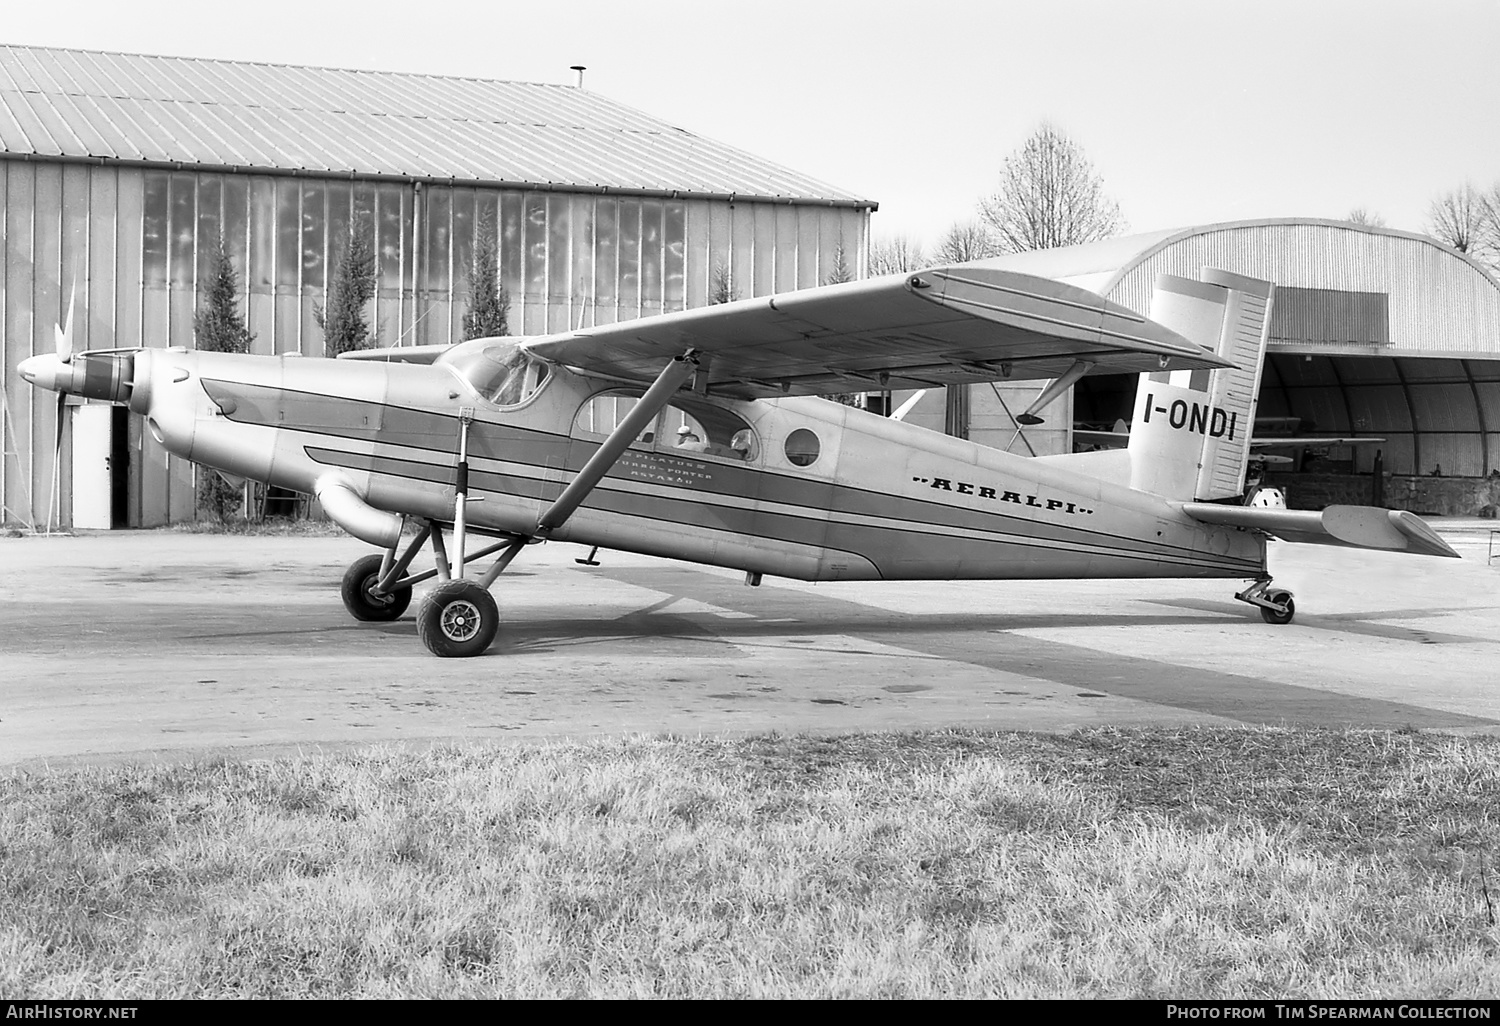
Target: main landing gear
(1275,605)
(458,617)
(455,619)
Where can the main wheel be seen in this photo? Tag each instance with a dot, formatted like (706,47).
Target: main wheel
(359,595)
(457,619)
(1271,615)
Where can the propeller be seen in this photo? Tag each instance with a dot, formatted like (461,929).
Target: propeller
(64,338)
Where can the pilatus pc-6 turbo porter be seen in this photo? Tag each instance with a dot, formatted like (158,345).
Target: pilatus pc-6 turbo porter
(700,436)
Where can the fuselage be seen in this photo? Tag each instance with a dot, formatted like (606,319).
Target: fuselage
(811,489)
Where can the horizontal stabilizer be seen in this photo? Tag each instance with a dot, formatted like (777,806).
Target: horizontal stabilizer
(1362,527)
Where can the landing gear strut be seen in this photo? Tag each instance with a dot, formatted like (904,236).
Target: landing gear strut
(457,618)
(1275,605)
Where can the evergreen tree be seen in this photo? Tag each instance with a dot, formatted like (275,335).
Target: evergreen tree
(723,287)
(839,272)
(349,289)
(837,275)
(489,304)
(219,328)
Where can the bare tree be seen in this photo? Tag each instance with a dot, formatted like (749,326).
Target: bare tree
(895,255)
(1457,219)
(1367,218)
(1049,196)
(1489,229)
(965,241)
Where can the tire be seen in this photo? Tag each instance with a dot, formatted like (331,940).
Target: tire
(457,619)
(1272,616)
(363,574)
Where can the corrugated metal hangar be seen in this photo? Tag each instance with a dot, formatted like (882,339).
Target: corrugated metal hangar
(119,171)
(1374,333)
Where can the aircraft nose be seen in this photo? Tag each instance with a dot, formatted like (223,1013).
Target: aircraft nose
(45,371)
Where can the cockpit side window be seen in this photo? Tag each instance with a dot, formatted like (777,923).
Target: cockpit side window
(498,369)
(685,426)
(702,427)
(600,415)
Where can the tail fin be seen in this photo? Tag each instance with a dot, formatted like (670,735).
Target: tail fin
(1191,434)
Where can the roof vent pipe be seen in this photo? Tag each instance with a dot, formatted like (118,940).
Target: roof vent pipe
(580,69)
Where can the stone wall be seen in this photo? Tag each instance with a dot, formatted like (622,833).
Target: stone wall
(1440,496)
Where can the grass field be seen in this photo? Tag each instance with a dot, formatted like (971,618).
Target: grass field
(1197,863)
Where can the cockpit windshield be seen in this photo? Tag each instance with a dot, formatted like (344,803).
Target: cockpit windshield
(498,369)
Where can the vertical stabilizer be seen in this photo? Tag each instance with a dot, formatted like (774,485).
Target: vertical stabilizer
(1190,438)
(1247,327)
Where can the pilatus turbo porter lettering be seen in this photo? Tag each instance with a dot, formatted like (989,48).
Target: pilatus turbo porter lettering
(699,435)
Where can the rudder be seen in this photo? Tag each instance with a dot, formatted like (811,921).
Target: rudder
(1190,438)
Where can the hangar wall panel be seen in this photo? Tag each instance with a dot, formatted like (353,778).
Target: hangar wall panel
(1451,308)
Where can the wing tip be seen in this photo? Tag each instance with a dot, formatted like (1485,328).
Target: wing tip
(1420,535)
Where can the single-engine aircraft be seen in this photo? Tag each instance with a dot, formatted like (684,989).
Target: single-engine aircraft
(698,435)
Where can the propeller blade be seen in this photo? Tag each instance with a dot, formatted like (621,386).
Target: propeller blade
(62,399)
(65,333)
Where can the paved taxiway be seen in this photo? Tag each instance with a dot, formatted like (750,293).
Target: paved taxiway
(160,644)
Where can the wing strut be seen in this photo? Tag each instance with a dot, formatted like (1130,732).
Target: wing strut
(1056,388)
(673,376)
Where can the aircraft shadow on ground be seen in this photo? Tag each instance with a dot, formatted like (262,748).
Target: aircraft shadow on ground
(997,640)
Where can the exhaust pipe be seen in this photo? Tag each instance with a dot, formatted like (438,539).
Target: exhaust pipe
(347,508)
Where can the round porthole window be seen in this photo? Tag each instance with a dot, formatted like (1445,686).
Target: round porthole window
(802,447)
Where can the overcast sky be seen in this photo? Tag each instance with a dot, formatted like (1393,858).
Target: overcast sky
(1192,112)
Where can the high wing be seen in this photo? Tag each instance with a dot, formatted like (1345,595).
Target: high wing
(398,354)
(940,326)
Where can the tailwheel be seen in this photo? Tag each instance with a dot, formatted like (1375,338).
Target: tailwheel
(457,619)
(1285,613)
(1275,604)
(361,598)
